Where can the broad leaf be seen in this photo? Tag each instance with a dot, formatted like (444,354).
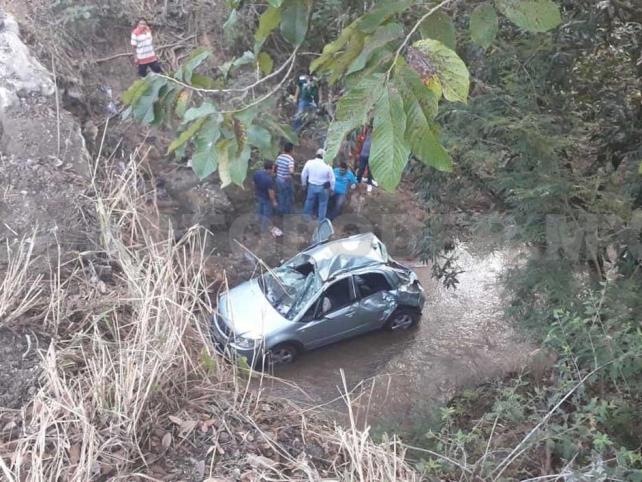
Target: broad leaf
(143,109)
(194,60)
(333,48)
(223,152)
(294,20)
(450,69)
(439,26)
(382,36)
(412,89)
(135,91)
(369,22)
(268,21)
(531,15)
(265,63)
(186,135)
(182,102)
(281,130)
(231,24)
(422,140)
(205,109)
(239,164)
(483,25)
(357,102)
(260,138)
(337,131)
(389,152)
(204,160)
(343,61)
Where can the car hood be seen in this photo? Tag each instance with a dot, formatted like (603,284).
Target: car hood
(247,311)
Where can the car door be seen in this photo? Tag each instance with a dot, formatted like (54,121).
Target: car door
(332,317)
(375,299)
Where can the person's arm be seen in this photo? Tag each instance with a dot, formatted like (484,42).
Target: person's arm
(352,179)
(297,91)
(333,180)
(272,194)
(292,166)
(134,44)
(304,176)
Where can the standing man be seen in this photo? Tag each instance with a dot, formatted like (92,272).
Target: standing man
(307,98)
(265,195)
(364,159)
(319,179)
(344,178)
(284,170)
(143,45)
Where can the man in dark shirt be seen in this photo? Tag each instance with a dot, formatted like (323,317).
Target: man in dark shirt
(265,194)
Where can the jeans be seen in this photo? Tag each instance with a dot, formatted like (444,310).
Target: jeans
(302,107)
(316,194)
(284,195)
(264,211)
(339,200)
(363,165)
(154,66)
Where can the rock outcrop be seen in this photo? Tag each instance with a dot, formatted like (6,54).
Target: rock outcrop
(44,164)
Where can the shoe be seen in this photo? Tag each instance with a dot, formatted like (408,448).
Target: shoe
(353,186)
(375,183)
(369,188)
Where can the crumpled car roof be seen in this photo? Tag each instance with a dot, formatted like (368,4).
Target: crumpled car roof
(347,254)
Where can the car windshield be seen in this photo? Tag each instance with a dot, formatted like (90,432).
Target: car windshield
(289,287)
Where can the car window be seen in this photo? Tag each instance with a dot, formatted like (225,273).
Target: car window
(370,283)
(336,296)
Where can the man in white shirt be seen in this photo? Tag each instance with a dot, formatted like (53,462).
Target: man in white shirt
(319,179)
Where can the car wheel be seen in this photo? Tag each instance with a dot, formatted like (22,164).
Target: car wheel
(402,319)
(283,354)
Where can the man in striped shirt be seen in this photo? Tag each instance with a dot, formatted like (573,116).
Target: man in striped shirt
(143,44)
(284,169)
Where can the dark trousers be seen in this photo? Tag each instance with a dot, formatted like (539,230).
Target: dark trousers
(154,66)
(363,165)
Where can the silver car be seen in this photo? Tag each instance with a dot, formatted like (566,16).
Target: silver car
(331,291)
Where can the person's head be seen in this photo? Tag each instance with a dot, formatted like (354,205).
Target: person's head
(268,165)
(288,147)
(343,167)
(320,153)
(142,23)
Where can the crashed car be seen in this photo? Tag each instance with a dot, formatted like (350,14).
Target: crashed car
(332,291)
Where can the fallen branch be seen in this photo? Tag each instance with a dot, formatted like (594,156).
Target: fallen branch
(128,54)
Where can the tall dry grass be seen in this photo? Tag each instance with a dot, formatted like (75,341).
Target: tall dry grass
(140,351)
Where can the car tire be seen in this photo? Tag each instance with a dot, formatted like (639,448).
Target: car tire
(283,354)
(402,319)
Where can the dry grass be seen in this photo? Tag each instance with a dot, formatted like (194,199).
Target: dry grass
(136,359)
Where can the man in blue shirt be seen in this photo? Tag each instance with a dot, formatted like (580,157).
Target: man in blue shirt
(344,179)
(265,195)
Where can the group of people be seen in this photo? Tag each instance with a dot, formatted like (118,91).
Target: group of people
(326,189)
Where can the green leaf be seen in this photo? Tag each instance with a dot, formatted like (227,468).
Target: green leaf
(343,61)
(373,43)
(369,22)
(294,20)
(186,135)
(422,140)
(275,3)
(412,89)
(203,81)
(182,102)
(484,25)
(230,24)
(204,160)
(357,102)
(389,152)
(223,150)
(337,131)
(640,169)
(333,47)
(268,21)
(265,62)
(143,109)
(260,137)
(205,109)
(281,130)
(194,60)
(239,164)
(531,15)
(439,26)
(450,69)
(135,91)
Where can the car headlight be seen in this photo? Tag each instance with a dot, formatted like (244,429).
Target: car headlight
(245,343)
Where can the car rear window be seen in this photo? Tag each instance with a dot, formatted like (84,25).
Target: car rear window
(371,283)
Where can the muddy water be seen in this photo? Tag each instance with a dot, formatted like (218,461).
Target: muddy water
(462,340)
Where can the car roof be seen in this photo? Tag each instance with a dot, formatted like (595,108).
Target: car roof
(333,257)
